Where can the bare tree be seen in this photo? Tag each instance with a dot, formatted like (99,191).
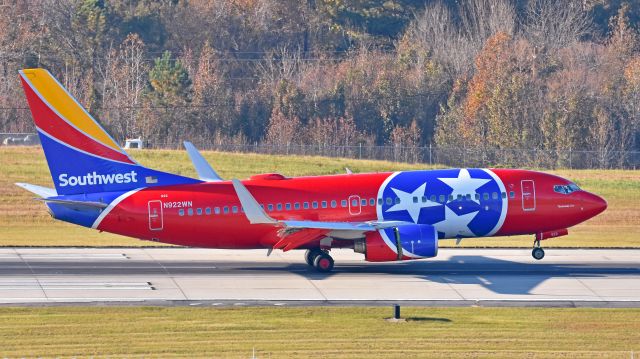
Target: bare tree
(552,25)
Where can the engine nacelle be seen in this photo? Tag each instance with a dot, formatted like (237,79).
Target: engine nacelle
(411,241)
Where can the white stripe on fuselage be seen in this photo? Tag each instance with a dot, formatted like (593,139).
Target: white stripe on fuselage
(111,206)
(505,203)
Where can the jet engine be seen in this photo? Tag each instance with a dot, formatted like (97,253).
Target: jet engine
(411,241)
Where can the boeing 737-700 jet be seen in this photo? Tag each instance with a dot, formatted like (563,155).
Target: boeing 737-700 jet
(386,216)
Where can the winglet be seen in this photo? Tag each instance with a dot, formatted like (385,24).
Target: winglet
(205,172)
(43,192)
(255,214)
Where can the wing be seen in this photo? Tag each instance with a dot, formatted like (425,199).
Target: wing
(304,231)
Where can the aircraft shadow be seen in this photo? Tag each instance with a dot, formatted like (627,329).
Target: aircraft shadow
(497,275)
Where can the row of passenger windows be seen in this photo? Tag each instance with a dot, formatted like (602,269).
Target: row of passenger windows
(334,204)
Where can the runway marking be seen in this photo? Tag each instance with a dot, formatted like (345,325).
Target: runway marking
(65,285)
(68,256)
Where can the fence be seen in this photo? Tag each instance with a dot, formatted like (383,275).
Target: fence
(454,156)
(439,156)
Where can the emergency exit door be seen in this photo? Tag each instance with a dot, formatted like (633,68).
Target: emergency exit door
(155,215)
(528,195)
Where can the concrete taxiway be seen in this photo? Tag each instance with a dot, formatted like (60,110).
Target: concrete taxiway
(186,276)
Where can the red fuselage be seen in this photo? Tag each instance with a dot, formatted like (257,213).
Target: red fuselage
(210,214)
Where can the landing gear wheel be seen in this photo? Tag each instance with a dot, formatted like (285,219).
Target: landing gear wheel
(323,263)
(311,254)
(538,253)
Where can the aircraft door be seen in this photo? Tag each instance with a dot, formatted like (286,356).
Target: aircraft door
(528,195)
(155,215)
(354,205)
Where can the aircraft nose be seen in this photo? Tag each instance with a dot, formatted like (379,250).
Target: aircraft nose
(593,204)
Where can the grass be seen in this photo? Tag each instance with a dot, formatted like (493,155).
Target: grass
(336,332)
(25,222)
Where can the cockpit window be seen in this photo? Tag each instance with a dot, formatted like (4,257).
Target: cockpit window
(566,189)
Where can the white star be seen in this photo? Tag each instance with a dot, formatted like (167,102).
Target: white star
(464,184)
(454,226)
(407,203)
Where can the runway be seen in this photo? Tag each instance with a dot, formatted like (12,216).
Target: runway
(204,277)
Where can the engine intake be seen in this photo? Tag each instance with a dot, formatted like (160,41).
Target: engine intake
(411,241)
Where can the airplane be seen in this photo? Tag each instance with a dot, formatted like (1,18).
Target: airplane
(390,216)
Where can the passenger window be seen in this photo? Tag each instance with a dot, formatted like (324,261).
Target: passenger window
(315,204)
(424,199)
(363,202)
(477,196)
(305,205)
(380,201)
(199,211)
(441,198)
(372,201)
(334,204)
(451,197)
(389,200)
(397,200)
(504,194)
(459,197)
(433,198)
(226,210)
(324,204)
(468,196)
(234,209)
(270,207)
(216,210)
(415,199)
(494,195)
(190,211)
(343,203)
(181,212)
(279,206)
(485,196)
(287,206)
(512,194)
(296,205)
(207,211)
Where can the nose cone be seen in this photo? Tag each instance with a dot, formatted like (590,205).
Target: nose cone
(592,204)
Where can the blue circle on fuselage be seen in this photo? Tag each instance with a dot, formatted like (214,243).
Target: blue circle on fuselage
(407,184)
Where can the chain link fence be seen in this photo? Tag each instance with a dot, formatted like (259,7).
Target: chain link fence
(439,156)
(454,156)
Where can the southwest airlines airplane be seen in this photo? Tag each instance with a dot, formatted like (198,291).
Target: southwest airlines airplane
(386,216)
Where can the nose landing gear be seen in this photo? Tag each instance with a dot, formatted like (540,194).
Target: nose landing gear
(319,259)
(537,252)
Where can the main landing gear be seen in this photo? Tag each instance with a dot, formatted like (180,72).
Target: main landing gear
(537,252)
(319,259)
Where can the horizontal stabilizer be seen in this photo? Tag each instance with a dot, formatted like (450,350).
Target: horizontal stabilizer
(75,204)
(40,191)
(204,170)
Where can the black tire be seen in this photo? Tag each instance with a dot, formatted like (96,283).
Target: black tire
(323,263)
(310,256)
(538,253)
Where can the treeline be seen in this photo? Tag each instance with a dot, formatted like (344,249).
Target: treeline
(488,74)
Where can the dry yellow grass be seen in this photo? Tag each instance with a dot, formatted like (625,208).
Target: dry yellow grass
(319,332)
(25,222)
